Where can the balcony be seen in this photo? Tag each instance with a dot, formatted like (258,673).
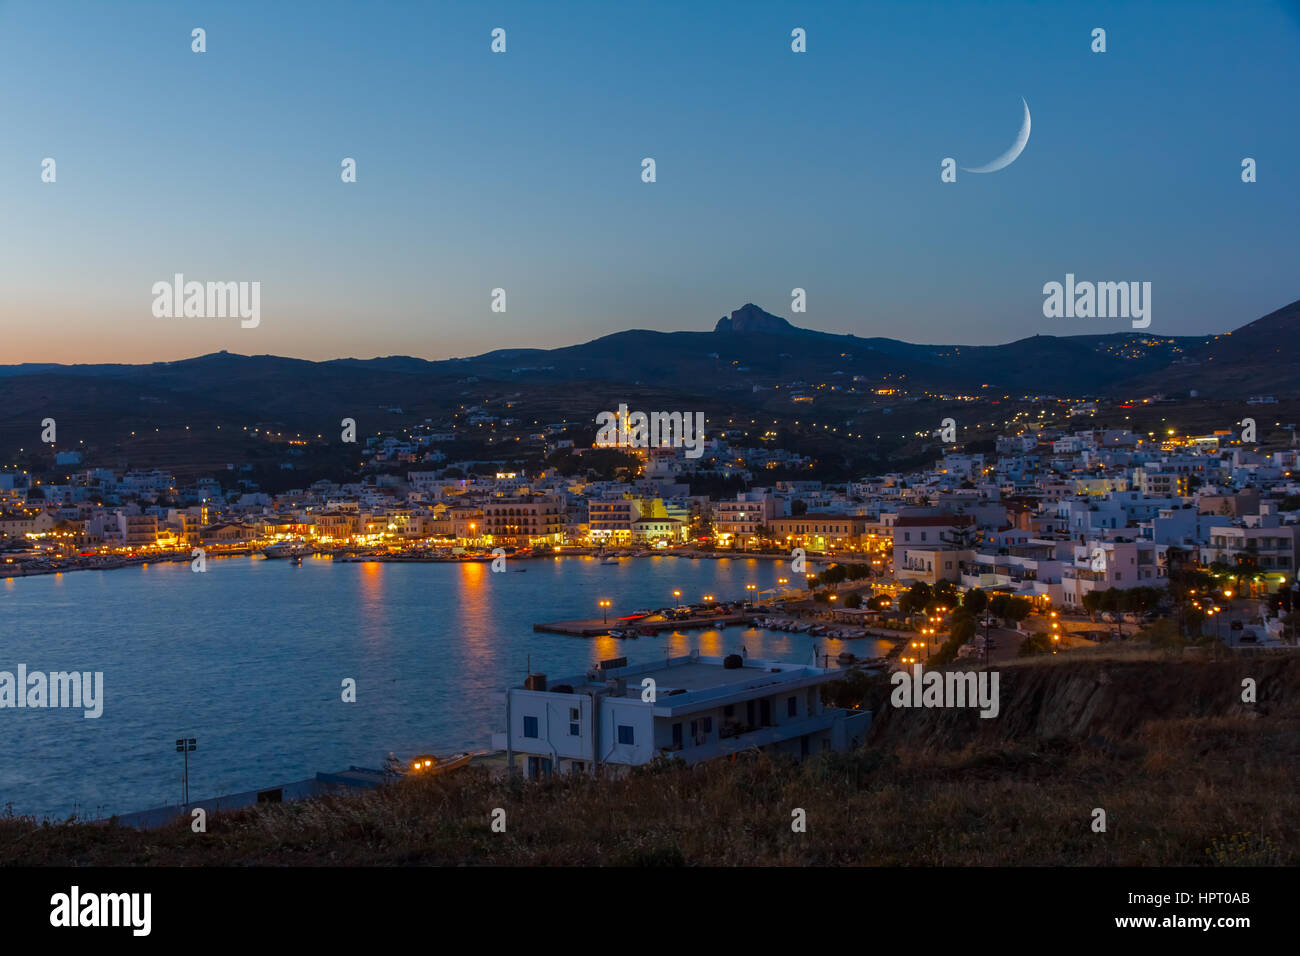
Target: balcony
(747,738)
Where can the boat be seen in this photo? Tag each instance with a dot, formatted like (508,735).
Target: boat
(428,764)
(286,549)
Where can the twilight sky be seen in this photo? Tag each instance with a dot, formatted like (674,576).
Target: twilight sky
(523,170)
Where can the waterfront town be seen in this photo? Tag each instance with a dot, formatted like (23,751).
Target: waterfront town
(1050,514)
(1057,538)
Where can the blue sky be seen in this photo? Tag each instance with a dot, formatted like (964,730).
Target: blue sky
(522,170)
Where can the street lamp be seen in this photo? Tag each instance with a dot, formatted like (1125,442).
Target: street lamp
(186,746)
(677,598)
(604,605)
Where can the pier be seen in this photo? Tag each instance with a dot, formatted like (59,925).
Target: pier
(596,627)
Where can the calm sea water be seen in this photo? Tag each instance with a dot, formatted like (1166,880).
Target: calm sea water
(249,659)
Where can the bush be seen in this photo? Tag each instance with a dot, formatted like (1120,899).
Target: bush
(947,653)
(1035,644)
(853,600)
(961,630)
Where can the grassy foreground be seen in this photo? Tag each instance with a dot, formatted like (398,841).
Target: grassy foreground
(1202,782)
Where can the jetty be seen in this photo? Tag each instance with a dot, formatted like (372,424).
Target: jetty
(597,627)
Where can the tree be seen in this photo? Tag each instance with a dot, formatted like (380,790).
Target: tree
(976,601)
(1092,603)
(1019,608)
(835,574)
(915,598)
(944,593)
(1247,567)
(962,630)
(798,507)
(962,537)
(854,600)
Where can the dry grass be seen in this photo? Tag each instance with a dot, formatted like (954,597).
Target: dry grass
(1174,797)
(1215,789)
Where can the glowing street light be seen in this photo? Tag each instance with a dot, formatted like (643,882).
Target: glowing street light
(677,598)
(604,606)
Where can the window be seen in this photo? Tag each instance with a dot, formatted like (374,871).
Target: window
(706,725)
(575,730)
(625,735)
(791,706)
(575,713)
(677,734)
(530,726)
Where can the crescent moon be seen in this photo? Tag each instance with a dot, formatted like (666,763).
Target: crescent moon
(1009,157)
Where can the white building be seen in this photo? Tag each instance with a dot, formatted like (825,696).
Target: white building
(701,708)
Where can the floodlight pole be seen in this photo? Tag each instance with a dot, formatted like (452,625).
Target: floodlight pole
(184,745)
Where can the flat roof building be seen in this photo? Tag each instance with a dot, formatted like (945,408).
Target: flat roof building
(691,708)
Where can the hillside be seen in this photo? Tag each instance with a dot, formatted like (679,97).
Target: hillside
(749,365)
(1186,775)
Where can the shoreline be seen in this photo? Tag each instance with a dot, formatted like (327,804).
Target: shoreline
(347,556)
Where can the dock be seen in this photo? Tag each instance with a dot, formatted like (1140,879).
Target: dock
(596,627)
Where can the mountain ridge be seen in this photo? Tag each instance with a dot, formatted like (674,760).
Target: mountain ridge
(754,348)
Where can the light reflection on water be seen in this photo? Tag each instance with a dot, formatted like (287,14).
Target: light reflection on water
(250,657)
